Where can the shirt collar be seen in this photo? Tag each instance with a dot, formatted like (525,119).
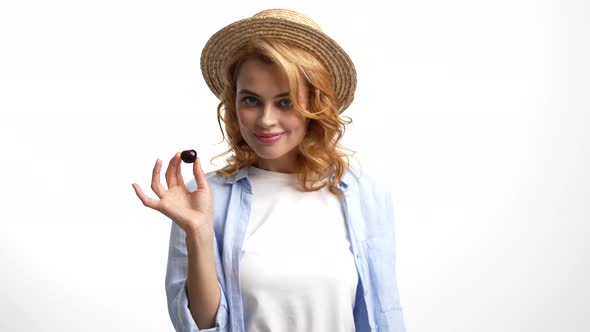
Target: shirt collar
(243,173)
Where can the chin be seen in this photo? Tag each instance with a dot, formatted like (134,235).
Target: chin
(269,156)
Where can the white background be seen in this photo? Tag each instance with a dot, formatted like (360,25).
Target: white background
(477,111)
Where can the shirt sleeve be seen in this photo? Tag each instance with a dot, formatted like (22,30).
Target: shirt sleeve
(392,319)
(176,292)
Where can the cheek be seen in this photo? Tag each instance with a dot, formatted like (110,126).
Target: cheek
(298,123)
(243,118)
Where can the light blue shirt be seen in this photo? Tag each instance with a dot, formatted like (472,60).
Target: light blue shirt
(368,212)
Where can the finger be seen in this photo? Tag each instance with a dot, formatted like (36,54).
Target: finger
(151,203)
(179,178)
(156,185)
(171,171)
(200,175)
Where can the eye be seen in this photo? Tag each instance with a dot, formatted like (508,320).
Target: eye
(285,102)
(249,100)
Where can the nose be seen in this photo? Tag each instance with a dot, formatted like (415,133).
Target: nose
(268,115)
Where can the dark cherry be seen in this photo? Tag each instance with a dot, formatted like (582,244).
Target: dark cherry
(188,156)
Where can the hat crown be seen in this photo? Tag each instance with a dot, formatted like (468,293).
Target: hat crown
(285,26)
(287,14)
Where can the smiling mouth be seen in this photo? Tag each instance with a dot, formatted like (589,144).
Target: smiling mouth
(268,138)
(268,135)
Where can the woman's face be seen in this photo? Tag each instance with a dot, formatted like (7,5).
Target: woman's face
(264,109)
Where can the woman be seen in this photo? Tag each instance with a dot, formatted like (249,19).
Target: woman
(287,236)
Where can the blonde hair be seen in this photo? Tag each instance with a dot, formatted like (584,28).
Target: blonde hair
(320,156)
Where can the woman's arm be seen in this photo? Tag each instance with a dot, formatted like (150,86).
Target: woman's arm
(196,300)
(202,286)
(191,272)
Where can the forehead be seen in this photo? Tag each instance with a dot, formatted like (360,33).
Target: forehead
(255,72)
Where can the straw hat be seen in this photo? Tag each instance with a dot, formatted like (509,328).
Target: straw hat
(290,27)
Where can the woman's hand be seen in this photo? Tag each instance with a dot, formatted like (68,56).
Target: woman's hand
(191,211)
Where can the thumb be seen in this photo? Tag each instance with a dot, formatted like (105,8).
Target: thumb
(200,175)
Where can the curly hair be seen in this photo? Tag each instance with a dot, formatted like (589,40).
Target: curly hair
(321,161)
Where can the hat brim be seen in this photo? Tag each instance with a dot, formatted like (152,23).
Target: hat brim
(226,41)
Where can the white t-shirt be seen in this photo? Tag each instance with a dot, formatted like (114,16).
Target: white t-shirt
(297,272)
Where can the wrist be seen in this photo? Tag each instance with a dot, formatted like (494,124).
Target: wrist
(199,236)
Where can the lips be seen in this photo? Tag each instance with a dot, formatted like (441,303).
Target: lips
(268,138)
(268,135)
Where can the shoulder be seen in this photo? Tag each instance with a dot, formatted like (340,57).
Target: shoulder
(368,180)
(369,197)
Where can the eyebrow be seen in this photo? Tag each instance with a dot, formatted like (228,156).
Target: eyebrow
(246,91)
